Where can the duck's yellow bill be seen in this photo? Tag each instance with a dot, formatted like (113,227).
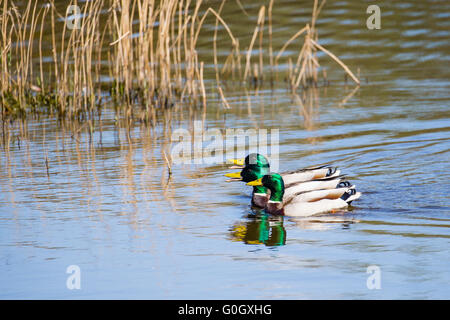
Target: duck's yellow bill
(255,183)
(238,162)
(233,175)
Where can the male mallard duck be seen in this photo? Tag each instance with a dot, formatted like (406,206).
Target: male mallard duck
(260,194)
(303,203)
(301,175)
(256,166)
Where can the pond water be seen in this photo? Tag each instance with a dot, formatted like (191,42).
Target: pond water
(103,200)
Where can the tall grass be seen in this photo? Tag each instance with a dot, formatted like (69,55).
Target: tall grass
(148,49)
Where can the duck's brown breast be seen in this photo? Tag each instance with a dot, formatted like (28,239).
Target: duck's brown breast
(260,200)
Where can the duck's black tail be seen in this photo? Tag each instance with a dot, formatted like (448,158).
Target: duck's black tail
(350,195)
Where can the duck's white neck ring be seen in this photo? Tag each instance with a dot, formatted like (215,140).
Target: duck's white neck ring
(261,194)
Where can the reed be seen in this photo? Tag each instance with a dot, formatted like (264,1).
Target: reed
(306,69)
(139,55)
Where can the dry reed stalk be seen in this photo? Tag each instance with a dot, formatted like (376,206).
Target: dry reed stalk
(299,60)
(191,54)
(337,60)
(202,85)
(41,69)
(287,43)
(29,54)
(314,16)
(234,41)
(168,163)
(75,87)
(259,23)
(269,15)
(5,48)
(61,100)
(122,45)
(22,51)
(235,44)
(177,44)
(91,41)
(314,35)
(222,96)
(261,35)
(307,65)
(215,55)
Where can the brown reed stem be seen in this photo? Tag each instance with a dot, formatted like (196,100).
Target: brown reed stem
(337,60)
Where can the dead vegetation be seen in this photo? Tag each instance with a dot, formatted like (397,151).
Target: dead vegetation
(146,49)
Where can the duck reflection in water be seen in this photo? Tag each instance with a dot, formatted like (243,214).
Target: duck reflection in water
(267,229)
(260,229)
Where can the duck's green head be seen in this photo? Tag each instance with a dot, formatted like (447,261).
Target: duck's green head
(256,166)
(252,159)
(257,160)
(272,181)
(250,173)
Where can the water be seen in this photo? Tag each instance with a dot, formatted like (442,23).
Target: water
(107,204)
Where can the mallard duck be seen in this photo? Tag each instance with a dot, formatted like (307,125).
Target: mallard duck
(303,203)
(260,194)
(301,175)
(255,166)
